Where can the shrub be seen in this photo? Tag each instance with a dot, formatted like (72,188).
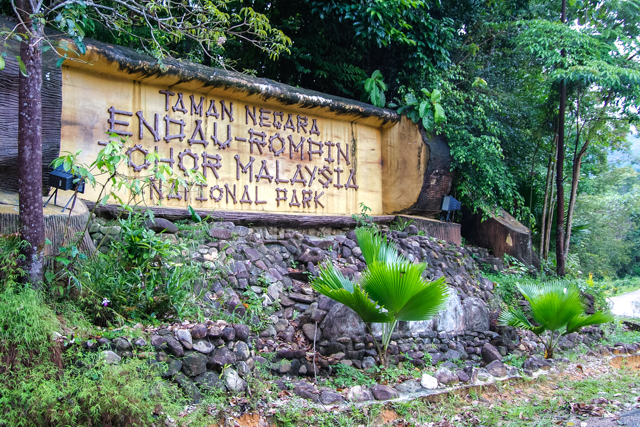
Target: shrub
(391,288)
(142,276)
(87,392)
(556,307)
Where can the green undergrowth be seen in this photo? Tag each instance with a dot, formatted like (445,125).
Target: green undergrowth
(615,333)
(26,321)
(87,392)
(143,277)
(621,286)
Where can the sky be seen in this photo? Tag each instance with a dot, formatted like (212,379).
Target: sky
(622,158)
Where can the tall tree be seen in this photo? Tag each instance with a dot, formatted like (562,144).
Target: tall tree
(155,27)
(589,67)
(561,258)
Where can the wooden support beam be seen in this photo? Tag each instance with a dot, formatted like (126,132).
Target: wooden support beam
(246,218)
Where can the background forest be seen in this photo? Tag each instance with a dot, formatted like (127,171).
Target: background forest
(488,75)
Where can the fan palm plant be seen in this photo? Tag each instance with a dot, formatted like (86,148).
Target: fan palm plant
(390,289)
(556,307)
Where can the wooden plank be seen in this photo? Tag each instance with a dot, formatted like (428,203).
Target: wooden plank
(245,218)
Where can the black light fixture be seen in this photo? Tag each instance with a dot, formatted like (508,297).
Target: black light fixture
(63,180)
(450,205)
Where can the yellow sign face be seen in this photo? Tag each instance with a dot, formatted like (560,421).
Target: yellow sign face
(255,157)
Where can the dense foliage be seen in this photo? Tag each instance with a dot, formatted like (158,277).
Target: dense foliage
(496,68)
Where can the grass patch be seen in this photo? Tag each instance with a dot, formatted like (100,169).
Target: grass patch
(616,333)
(622,286)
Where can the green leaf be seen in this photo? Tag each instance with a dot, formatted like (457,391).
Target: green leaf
(426,303)
(410,98)
(332,279)
(81,46)
(438,114)
(579,322)
(427,122)
(63,261)
(478,82)
(375,248)
(369,85)
(424,107)
(393,284)
(377,97)
(60,61)
(331,283)
(194,215)
(47,241)
(23,68)
(436,95)
(1,63)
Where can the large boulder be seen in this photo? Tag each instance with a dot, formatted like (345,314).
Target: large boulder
(341,321)
(233,381)
(534,363)
(451,319)
(446,377)
(476,314)
(497,369)
(428,382)
(194,364)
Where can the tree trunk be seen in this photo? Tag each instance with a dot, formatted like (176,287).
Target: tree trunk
(552,206)
(547,192)
(575,179)
(31,215)
(560,254)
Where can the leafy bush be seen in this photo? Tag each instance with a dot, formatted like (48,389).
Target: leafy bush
(143,276)
(615,333)
(556,307)
(348,376)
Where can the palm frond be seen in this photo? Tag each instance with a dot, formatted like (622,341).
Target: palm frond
(514,317)
(359,301)
(332,283)
(393,284)
(375,248)
(426,303)
(331,278)
(581,321)
(553,304)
